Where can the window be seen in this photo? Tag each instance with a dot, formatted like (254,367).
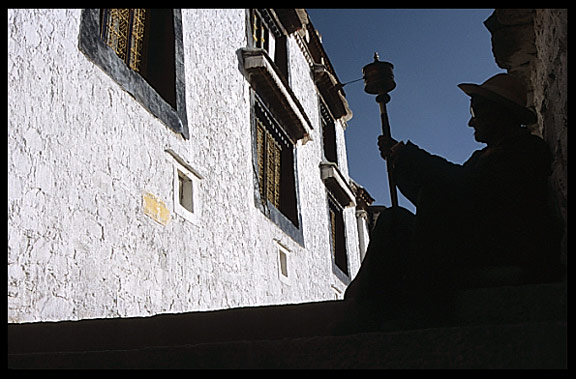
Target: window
(185,191)
(328,134)
(339,193)
(186,188)
(261,35)
(337,236)
(275,164)
(124,30)
(144,40)
(266,35)
(269,157)
(142,50)
(283,263)
(279,121)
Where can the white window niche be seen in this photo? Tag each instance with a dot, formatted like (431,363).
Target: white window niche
(284,264)
(186,189)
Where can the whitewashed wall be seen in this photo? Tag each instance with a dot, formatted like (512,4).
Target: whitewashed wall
(83,155)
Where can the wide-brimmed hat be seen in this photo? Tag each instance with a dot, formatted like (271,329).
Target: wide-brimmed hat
(506,90)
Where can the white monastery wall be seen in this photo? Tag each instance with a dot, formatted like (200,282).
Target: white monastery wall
(92,227)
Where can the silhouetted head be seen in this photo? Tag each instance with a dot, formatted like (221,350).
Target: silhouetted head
(498,107)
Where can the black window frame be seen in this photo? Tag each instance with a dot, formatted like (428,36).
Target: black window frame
(329,143)
(263,17)
(338,239)
(90,43)
(288,221)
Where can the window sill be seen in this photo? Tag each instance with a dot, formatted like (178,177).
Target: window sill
(283,222)
(335,182)
(338,273)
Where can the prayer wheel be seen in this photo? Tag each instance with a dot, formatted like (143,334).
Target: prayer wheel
(378,77)
(379,80)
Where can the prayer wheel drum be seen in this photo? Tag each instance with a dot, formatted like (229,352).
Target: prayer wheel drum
(378,77)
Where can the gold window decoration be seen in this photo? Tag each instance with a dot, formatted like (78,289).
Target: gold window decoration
(260,153)
(259,30)
(269,159)
(333,232)
(124,31)
(274,164)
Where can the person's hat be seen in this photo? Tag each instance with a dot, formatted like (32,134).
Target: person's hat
(506,90)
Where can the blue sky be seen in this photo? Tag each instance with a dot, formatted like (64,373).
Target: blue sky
(432,51)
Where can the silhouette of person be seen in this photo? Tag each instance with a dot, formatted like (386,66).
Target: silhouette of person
(492,211)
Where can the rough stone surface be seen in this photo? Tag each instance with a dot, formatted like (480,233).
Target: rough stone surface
(532,44)
(82,154)
(513,37)
(550,83)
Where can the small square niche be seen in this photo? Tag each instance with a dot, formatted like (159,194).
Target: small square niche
(185,192)
(187,199)
(283,263)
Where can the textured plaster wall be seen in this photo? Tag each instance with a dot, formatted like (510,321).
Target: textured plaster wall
(85,161)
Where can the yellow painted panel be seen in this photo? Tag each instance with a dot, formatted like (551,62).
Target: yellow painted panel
(155,208)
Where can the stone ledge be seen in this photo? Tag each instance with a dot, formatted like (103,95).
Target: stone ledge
(534,345)
(484,306)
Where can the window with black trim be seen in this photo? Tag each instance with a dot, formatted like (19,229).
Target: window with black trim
(275,163)
(328,134)
(144,40)
(278,121)
(266,35)
(338,192)
(337,235)
(142,50)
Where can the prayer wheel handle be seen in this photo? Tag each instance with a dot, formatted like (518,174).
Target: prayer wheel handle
(379,80)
